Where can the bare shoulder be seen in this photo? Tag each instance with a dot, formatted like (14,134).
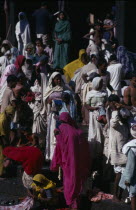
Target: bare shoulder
(127,91)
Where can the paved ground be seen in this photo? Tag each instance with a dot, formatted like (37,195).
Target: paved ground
(11,189)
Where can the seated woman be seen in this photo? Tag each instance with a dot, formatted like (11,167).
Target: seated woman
(31,159)
(44,190)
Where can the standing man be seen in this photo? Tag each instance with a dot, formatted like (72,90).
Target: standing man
(116,74)
(42,22)
(22,31)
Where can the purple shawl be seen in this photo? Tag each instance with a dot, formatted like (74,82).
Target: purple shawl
(71,153)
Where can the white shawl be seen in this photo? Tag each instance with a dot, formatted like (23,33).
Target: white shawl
(86,69)
(23,29)
(50,89)
(130,145)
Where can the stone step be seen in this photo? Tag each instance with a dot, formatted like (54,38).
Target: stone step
(109,205)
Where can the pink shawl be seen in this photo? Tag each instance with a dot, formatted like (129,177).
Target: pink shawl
(71,153)
(9,70)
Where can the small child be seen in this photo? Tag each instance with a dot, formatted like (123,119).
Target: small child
(49,51)
(68,104)
(128,178)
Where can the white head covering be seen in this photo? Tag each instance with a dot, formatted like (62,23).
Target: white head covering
(50,89)
(54,74)
(133,132)
(130,145)
(96,83)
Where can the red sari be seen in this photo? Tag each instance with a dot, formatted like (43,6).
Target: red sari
(30,157)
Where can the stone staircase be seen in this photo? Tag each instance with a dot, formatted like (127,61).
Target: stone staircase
(12,189)
(107,188)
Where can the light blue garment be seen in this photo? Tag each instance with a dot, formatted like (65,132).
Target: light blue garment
(38,58)
(14,53)
(129,174)
(72,105)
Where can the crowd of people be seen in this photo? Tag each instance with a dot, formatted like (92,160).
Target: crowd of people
(45,99)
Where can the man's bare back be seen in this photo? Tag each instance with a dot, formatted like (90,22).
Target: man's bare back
(130,96)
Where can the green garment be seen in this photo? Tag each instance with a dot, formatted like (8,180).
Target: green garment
(61,31)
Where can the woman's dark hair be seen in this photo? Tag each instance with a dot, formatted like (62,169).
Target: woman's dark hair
(113,97)
(6,46)
(114,41)
(93,56)
(38,183)
(23,139)
(65,95)
(113,58)
(40,40)
(64,13)
(21,76)
(29,61)
(85,58)
(101,61)
(59,70)
(11,78)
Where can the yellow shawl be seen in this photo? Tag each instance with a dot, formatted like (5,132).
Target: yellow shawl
(4,121)
(70,68)
(47,184)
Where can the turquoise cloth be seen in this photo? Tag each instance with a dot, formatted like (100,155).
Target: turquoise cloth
(61,52)
(129,174)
